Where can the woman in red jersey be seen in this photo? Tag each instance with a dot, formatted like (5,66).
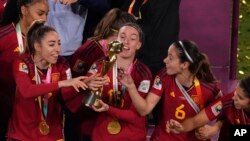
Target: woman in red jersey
(41,77)
(118,118)
(93,49)
(17,17)
(182,89)
(96,47)
(233,108)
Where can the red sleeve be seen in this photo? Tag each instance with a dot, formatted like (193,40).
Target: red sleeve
(72,99)
(24,83)
(214,110)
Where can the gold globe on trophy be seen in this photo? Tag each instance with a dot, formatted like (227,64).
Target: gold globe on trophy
(114,48)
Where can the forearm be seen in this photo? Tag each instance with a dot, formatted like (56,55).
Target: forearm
(194,122)
(139,102)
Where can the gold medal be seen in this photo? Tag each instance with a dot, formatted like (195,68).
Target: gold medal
(44,128)
(114,127)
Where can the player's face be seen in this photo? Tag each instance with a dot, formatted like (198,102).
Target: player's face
(130,38)
(172,61)
(49,48)
(35,11)
(240,99)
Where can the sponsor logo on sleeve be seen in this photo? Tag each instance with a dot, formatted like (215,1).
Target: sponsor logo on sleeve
(144,86)
(216,108)
(23,67)
(157,83)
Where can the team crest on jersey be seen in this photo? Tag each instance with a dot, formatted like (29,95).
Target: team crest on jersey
(144,86)
(23,67)
(93,69)
(216,108)
(157,83)
(68,74)
(55,77)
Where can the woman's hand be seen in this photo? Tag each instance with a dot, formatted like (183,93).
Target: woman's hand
(206,132)
(76,83)
(102,108)
(125,78)
(173,126)
(95,81)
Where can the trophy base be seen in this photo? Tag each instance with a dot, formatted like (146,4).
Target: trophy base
(92,99)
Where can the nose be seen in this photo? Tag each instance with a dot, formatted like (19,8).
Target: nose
(125,41)
(58,48)
(165,60)
(234,96)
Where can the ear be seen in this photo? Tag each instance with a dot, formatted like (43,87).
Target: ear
(185,65)
(138,46)
(37,47)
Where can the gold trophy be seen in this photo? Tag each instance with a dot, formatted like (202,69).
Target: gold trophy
(114,48)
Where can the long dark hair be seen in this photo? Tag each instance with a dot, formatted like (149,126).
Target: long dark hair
(35,33)
(199,64)
(245,85)
(12,11)
(111,23)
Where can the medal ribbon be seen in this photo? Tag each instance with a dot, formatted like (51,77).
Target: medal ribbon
(19,38)
(115,81)
(44,106)
(189,99)
(199,93)
(104,46)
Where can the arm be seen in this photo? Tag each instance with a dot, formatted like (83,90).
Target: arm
(28,89)
(74,100)
(143,106)
(208,131)
(189,124)
(128,115)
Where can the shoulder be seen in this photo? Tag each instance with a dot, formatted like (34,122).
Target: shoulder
(162,75)
(5,30)
(213,87)
(227,100)
(142,69)
(62,63)
(89,44)
(23,63)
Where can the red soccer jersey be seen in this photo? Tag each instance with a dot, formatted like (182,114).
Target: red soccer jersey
(175,106)
(27,114)
(224,108)
(8,52)
(85,56)
(1,8)
(81,61)
(133,126)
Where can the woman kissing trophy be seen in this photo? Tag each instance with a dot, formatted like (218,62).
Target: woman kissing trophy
(114,48)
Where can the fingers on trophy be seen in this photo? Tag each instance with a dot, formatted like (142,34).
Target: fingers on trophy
(114,48)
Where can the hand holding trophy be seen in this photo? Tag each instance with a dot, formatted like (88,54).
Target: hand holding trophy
(114,48)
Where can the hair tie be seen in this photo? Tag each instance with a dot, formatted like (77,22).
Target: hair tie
(186,53)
